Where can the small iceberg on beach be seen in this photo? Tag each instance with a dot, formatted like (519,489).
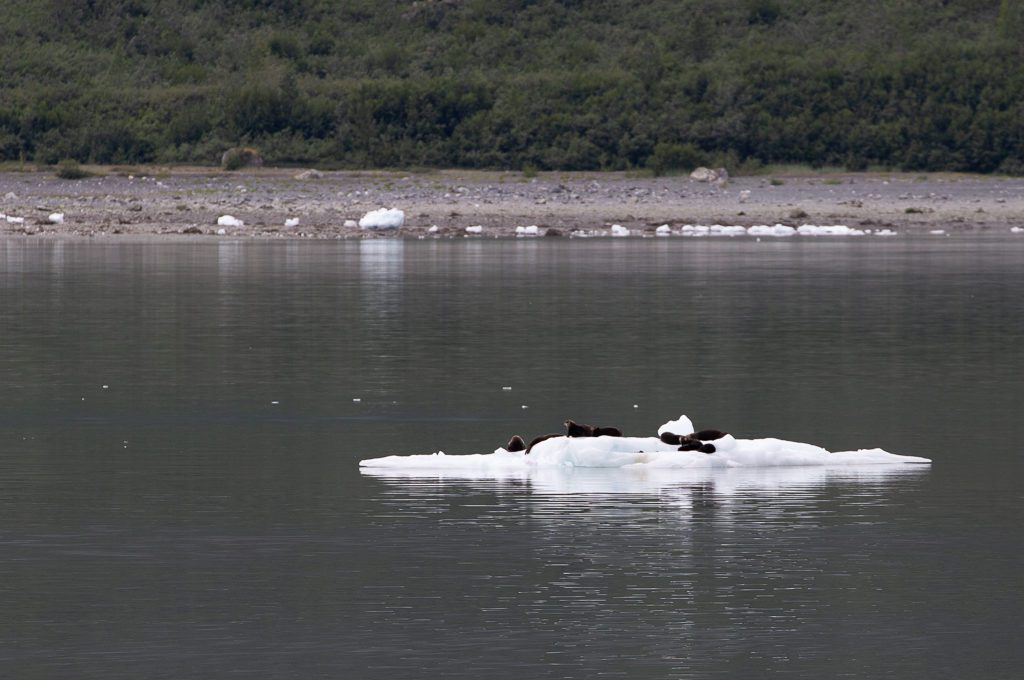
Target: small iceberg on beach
(229,221)
(382,218)
(645,453)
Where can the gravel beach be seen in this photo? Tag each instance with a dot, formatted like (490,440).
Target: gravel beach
(179,202)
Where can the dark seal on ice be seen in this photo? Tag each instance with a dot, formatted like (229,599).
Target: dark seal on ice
(573,429)
(671,438)
(708,435)
(515,444)
(607,432)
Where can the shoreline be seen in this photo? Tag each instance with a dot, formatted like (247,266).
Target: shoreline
(157,202)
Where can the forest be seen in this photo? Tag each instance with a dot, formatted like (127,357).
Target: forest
(662,85)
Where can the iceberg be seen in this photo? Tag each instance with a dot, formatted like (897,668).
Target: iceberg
(229,221)
(382,218)
(643,453)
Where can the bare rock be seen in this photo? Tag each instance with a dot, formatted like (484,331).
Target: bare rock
(717,176)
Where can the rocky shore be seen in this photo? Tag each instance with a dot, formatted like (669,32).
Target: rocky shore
(286,203)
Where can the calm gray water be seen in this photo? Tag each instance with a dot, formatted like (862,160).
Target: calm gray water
(179,439)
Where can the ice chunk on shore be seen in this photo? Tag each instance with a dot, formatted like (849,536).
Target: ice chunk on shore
(619,230)
(727,230)
(229,221)
(833,230)
(382,218)
(291,222)
(531,230)
(56,218)
(475,229)
(773,230)
(663,230)
(646,453)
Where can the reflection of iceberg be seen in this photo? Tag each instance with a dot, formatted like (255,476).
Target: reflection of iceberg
(643,480)
(644,453)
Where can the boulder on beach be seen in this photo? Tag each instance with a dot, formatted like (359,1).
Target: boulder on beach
(711,175)
(309,174)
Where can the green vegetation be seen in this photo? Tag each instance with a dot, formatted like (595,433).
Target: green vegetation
(528,84)
(70,169)
(237,158)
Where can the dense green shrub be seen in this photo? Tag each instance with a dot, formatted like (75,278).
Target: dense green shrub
(240,157)
(669,157)
(548,84)
(70,169)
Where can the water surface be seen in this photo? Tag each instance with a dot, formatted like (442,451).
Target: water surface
(179,437)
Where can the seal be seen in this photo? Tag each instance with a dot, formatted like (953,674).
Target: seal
(690,445)
(538,440)
(576,430)
(607,432)
(671,438)
(707,448)
(515,444)
(708,435)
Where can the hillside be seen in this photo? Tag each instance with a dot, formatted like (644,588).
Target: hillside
(548,84)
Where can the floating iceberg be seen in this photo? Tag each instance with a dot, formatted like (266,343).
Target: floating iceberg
(382,218)
(644,453)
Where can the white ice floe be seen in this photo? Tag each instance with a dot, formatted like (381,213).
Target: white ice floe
(1017,230)
(56,218)
(618,230)
(433,229)
(682,425)
(229,221)
(832,230)
(291,222)
(663,230)
(728,230)
(645,453)
(475,229)
(11,219)
(531,230)
(382,218)
(773,230)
